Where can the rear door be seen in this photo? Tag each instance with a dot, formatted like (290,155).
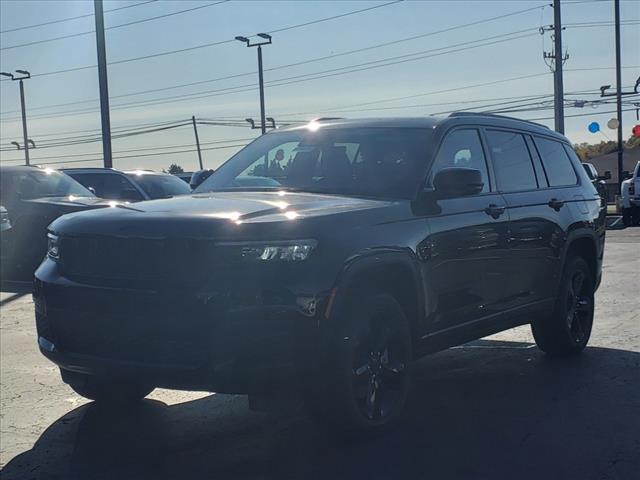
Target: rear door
(538,214)
(467,245)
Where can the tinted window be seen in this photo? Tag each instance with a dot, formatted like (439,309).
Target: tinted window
(38,183)
(557,164)
(112,186)
(160,186)
(511,161)
(386,162)
(462,148)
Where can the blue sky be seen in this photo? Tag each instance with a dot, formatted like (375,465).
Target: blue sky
(368,92)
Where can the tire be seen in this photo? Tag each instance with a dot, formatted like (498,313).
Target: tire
(369,367)
(104,391)
(568,329)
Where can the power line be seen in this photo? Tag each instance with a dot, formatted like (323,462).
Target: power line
(390,61)
(221,42)
(448,90)
(79,34)
(304,62)
(74,18)
(144,155)
(582,114)
(144,149)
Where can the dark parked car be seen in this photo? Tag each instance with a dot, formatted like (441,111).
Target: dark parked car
(131,185)
(598,181)
(184,176)
(31,199)
(384,240)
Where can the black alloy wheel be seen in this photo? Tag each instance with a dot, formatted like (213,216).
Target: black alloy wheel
(369,369)
(568,329)
(380,360)
(579,307)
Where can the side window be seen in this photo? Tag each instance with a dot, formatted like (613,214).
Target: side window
(511,161)
(118,187)
(462,148)
(556,162)
(90,180)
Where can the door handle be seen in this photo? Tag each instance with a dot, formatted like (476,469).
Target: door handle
(556,204)
(494,210)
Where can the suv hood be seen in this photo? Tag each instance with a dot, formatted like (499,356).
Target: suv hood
(198,214)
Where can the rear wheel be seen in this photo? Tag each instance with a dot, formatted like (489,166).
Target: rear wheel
(369,372)
(568,330)
(105,391)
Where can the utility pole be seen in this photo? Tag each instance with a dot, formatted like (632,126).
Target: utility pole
(616,6)
(268,41)
(25,136)
(556,60)
(619,93)
(195,130)
(104,87)
(558,87)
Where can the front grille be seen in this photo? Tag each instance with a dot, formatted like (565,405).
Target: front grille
(117,258)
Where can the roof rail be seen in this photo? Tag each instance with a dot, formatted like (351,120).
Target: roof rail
(494,115)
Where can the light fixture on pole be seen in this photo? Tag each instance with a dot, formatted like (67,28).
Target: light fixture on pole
(24,75)
(248,42)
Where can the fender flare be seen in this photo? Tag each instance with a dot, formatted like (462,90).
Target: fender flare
(578,234)
(357,267)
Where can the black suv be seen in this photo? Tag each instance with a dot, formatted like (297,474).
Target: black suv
(362,246)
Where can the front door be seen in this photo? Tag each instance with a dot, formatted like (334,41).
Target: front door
(467,244)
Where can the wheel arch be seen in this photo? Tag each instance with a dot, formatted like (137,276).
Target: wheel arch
(584,244)
(394,272)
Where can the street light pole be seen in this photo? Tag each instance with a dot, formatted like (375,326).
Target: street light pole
(263,125)
(25,136)
(247,41)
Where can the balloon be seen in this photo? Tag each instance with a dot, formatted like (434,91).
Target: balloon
(613,123)
(594,127)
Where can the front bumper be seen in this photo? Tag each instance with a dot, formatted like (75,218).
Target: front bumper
(205,338)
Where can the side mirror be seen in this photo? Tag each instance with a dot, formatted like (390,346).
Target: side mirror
(606,176)
(626,175)
(457,182)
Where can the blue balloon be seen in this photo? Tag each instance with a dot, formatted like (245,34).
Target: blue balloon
(594,127)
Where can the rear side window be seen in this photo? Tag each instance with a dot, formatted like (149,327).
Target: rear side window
(556,162)
(511,161)
(462,148)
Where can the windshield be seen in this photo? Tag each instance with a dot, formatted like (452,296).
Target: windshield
(160,186)
(377,162)
(38,183)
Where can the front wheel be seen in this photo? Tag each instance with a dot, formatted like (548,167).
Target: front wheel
(568,330)
(369,370)
(105,391)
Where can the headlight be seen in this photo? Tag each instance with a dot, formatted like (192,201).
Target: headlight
(287,251)
(53,246)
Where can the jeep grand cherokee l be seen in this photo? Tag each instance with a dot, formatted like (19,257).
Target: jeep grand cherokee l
(382,240)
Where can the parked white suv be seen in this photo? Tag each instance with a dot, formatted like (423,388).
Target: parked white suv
(630,193)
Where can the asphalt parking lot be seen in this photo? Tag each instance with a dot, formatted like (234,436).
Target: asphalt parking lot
(495,408)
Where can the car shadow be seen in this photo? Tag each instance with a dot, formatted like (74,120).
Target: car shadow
(487,410)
